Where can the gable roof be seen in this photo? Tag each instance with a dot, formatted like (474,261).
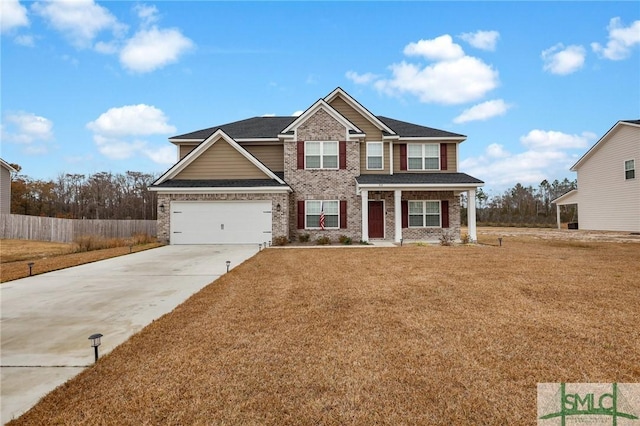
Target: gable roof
(338,92)
(208,142)
(7,166)
(318,105)
(250,128)
(409,130)
(602,141)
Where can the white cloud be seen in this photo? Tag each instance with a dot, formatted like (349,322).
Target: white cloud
(448,82)
(485,40)
(360,78)
(25,40)
(148,14)
(439,49)
(154,48)
(483,111)
(547,154)
(12,15)
(563,60)
(117,132)
(297,113)
(621,40)
(545,139)
(79,20)
(138,119)
(164,155)
(452,77)
(270,114)
(26,128)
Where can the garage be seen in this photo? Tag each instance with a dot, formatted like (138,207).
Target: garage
(220,222)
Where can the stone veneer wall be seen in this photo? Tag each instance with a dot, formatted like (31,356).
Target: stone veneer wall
(323,184)
(278,219)
(422,234)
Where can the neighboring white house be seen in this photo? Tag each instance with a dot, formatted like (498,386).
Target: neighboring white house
(608,194)
(5,186)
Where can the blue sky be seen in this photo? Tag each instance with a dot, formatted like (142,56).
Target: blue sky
(100,86)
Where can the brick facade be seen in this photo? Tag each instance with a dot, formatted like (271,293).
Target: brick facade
(323,184)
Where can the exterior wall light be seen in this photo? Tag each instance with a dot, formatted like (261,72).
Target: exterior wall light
(161,208)
(278,208)
(95,342)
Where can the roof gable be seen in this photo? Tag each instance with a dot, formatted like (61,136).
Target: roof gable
(339,93)
(607,136)
(7,166)
(321,104)
(219,136)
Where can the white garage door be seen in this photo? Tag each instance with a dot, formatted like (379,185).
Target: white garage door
(222,222)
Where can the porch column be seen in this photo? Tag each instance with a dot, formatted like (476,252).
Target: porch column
(397,208)
(364,194)
(471,214)
(558,216)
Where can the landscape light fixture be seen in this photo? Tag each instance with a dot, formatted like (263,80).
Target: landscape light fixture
(161,208)
(95,342)
(30,265)
(500,241)
(228,262)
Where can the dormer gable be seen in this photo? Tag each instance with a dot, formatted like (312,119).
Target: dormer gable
(321,105)
(339,93)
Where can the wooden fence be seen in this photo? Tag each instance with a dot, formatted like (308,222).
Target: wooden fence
(15,226)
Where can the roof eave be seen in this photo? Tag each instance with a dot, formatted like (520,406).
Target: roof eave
(222,190)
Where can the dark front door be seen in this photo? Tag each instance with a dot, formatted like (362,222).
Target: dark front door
(376,219)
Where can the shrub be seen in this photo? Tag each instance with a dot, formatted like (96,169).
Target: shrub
(465,239)
(138,239)
(96,242)
(280,241)
(304,238)
(343,239)
(323,241)
(446,239)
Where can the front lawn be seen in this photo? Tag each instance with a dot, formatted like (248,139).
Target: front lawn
(410,335)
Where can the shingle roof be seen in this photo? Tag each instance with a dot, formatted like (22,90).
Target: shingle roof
(404,129)
(271,127)
(219,183)
(632,121)
(418,178)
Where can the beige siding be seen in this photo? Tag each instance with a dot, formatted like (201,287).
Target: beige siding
(452,152)
(185,149)
(5,190)
(363,159)
(606,201)
(271,156)
(373,133)
(221,161)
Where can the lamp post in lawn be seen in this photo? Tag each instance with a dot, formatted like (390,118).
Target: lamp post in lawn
(95,342)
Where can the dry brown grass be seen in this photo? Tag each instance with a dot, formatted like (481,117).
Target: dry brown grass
(411,335)
(48,256)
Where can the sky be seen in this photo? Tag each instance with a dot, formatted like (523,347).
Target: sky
(90,86)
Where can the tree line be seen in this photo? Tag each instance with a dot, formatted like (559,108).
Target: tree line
(524,205)
(102,195)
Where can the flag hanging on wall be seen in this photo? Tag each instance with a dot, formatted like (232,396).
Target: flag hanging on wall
(322,215)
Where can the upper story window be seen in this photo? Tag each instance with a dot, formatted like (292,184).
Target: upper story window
(629,169)
(375,156)
(425,156)
(321,154)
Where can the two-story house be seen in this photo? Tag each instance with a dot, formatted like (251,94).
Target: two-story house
(334,170)
(608,194)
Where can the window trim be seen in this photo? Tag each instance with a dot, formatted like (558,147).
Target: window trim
(322,155)
(306,214)
(422,157)
(424,214)
(381,156)
(633,169)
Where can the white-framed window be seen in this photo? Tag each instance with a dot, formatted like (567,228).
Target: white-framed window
(313,211)
(423,156)
(424,214)
(629,169)
(321,155)
(375,156)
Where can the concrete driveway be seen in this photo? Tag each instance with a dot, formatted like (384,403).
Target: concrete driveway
(46,319)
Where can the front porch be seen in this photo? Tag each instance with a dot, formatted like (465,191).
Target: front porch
(412,207)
